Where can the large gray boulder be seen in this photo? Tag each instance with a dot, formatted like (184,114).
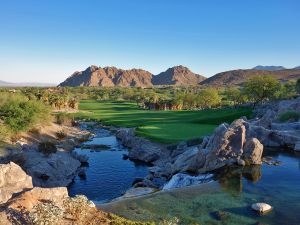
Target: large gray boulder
(191,160)
(225,145)
(55,170)
(12,180)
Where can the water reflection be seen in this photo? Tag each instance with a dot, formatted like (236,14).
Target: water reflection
(227,200)
(231,178)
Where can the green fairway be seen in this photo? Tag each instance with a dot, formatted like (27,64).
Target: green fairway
(161,126)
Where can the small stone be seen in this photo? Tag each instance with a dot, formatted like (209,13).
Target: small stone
(261,207)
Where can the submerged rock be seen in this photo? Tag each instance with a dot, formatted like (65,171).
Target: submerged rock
(139,191)
(12,180)
(261,207)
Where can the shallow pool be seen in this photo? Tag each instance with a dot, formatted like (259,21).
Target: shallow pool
(228,199)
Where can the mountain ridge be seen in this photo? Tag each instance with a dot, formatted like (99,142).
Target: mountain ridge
(238,77)
(112,76)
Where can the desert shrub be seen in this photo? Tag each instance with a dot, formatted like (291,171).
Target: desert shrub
(60,134)
(47,148)
(46,213)
(20,114)
(78,206)
(4,132)
(62,118)
(289,116)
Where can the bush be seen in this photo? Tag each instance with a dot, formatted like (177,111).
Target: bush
(60,135)
(45,213)
(289,116)
(47,148)
(19,114)
(62,118)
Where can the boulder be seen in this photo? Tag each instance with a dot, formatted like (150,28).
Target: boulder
(225,145)
(191,160)
(183,180)
(253,152)
(261,207)
(56,170)
(12,180)
(140,148)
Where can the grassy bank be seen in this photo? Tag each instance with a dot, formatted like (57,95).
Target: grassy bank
(161,126)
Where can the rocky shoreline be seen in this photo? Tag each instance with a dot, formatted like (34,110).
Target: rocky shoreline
(56,169)
(190,162)
(240,143)
(33,185)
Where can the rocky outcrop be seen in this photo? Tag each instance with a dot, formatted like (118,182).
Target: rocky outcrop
(54,206)
(36,205)
(55,170)
(12,180)
(140,148)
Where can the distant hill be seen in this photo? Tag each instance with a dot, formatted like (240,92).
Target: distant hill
(238,77)
(112,76)
(177,75)
(269,68)
(297,68)
(8,84)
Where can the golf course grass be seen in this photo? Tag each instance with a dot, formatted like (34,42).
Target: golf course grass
(160,126)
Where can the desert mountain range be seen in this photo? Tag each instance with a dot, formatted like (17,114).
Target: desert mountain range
(177,75)
(112,76)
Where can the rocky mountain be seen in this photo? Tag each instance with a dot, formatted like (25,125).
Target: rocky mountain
(177,75)
(269,68)
(238,77)
(109,77)
(112,76)
(297,68)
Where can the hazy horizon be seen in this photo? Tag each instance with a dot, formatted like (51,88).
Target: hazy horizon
(47,41)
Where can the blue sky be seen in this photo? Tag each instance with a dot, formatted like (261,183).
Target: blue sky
(45,41)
